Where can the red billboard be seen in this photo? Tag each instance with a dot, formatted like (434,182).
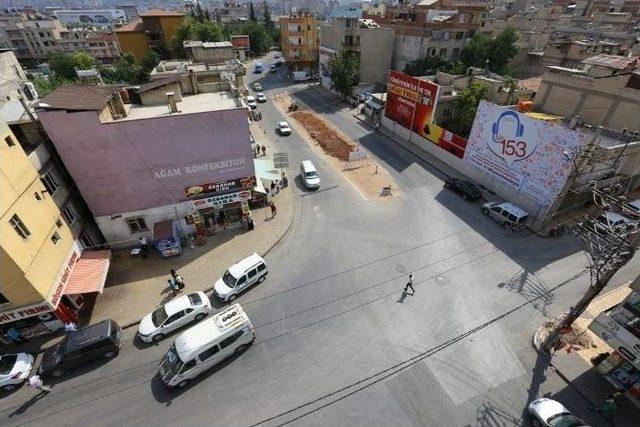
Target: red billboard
(241,42)
(411,101)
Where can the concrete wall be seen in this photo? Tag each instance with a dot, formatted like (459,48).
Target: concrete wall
(28,266)
(11,75)
(136,43)
(212,56)
(159,95)
(133,165)
(604,101)
(408,48)
(376,50)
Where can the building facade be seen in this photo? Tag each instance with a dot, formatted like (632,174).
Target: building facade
(101,44)
(32,37)
(364,38)
(299,42)
(161,156)
(38,252)
(152,29)
(91,16)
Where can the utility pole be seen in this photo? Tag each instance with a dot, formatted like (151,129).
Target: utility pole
(608,247)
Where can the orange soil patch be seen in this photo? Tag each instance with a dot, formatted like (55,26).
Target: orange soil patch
(330,141)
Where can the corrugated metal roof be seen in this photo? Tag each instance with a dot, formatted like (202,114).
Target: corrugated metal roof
(89,273)
(611,61)
(79,97)
(532,83)
(154,84)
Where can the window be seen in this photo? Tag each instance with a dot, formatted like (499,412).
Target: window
(190,364)
(230,340)
(443,51)
(253,273)
(208,353)
(262,267)
(459,35)
(86,240)
(55,238)
(241,281)
(19,226)
(464,18)
(37,196)
(69,212)
(173,318)
(136,224)
(9,141)
(3,299)
(58,223)
(447,35)
(50,181)
(455,53)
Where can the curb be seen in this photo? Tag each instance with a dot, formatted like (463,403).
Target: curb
(209,289)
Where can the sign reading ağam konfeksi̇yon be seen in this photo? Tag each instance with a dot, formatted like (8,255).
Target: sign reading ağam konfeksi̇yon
(532,156)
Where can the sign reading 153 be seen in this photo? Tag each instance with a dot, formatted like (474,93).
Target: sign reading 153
(510,140)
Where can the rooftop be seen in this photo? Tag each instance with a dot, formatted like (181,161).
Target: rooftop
(79,97)
(136,26)
(611,61)
(161,12)
(206,45)
(532,83)
(189,105)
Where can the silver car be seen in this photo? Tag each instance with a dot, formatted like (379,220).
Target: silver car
(550,413)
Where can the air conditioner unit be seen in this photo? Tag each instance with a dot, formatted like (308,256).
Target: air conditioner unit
(30,91)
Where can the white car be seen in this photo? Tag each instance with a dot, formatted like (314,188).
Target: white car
(549,413)
(14,369)
(260,97)
(283,128)
(251,102)
(173,315)
(239,277)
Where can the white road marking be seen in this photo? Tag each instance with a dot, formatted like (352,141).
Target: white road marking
(355,187)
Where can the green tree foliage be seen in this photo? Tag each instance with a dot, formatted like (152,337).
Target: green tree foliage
(83,61)
(268,23)
(427,65)
(252,13)
(62,66)
(127,70)
(465,107)
(191,29)
(344,69)
(258,36)
(45,86)
(492,53)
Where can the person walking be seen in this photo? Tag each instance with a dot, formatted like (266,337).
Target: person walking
(409,285)
(264,151)
(177,279)
(173,286)
(274,210)
(36,382)
(273,187)
(70,326)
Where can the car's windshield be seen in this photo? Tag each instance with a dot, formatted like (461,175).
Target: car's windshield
(6,363)
(565,420)
(228,279)
(171,362)
(195,299)
(310,174)
(159,316)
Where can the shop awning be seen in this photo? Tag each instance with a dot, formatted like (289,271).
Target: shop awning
(265,169)
(259,187)
(89,273)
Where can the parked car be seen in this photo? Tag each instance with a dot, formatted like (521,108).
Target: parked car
(465,189)
(283,128)
(257,87)
(611,221)
(206,344)
(273,68)
(507,214)
(251,102)
(309,175)
(14,369)
(239,277)
(79,347)
(259,67)
(550,413)
(260,97)
(173,315)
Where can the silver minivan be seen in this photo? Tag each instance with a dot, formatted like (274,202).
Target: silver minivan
(309,175)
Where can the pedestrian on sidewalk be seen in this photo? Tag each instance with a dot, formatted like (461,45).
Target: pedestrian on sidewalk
(70,327)
(173,286)
(264,151)
(274,210)
(285,181)
(273,187)
(177,279)
(36,382)
(409,285)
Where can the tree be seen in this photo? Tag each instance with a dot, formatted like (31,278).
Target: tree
(510,85)
(609,249)
(62,66)
(258,36)
(149,61)
(427,65)
(344,69)
(83,61)
(191,29)
(268,23)
(44,86)
(465,107)
(252,13)
(127,70)
(491,53)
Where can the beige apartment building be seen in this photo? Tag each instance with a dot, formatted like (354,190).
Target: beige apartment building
(372,43)
(101,44)
(299,42)
(603,91)
(32,37)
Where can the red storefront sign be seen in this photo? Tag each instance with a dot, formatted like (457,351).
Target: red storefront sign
(24,312)
(220,187)
(241,42)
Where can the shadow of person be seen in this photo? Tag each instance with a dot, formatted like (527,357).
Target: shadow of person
(402,297)
(26,405)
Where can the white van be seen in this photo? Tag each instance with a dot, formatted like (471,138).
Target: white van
(507,214)
(239,277)
(205,345)
(309,175)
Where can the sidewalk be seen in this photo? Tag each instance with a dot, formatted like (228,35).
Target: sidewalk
(576,370)
(137,286)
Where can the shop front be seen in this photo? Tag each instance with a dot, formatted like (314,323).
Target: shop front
(220,212)
(81,274)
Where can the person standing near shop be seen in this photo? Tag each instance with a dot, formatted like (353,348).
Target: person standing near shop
(36,382)
(179,281)
(274,210)
(273,187)
(264,151)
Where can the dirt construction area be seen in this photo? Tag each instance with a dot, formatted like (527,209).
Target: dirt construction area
(364,174)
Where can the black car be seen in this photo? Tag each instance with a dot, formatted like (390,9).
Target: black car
(79,347)
(465,189)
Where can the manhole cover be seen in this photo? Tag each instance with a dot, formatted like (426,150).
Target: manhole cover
(441,280)
(401,269)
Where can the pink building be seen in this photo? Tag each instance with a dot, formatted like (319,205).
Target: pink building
(140,163)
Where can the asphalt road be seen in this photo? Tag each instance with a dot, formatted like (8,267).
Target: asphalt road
(337,341)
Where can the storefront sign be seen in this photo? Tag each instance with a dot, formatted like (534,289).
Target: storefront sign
(220,187)
(226,165)
(63,275)
(219,201)
(24,312)
(617,337)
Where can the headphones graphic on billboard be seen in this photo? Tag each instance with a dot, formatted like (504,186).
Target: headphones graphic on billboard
(510,139)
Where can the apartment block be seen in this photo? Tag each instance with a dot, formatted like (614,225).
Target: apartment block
(364,38)
(101,44)
(32,37)
(299,38)
(150,30)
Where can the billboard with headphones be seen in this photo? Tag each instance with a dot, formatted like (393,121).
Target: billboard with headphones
(533,156)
